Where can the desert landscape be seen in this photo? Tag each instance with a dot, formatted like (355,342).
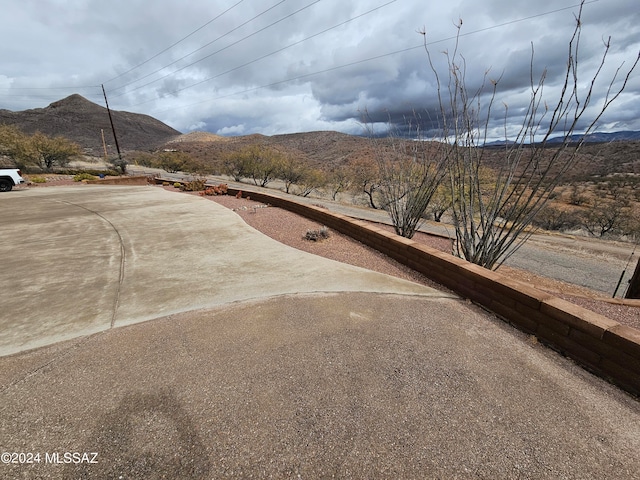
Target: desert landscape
(354,240)
(598,198)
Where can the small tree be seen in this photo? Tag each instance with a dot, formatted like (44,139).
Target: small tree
(608,216)
(552,217)
(265,164)
(235,165)
(410,172)
(310,181)
(51,151)
(143,158)
(173,162)
(338,180)
(10,136)
(291,171)
(440,202)
(577,195)
(260,163)
(16,145)
(366,178)
(491,223)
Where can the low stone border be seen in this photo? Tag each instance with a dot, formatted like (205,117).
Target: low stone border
(603,346)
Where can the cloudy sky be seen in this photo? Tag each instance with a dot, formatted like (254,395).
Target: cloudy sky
(236,67)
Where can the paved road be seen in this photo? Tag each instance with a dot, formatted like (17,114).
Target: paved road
(588,262)
(260,361)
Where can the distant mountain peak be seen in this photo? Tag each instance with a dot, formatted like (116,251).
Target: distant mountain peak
(74,101)
(85,122)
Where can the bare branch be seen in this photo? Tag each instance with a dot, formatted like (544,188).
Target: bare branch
(495,203)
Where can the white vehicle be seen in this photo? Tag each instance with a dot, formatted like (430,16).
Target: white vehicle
(9,177)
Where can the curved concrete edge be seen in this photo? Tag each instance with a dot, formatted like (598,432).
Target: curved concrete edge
(599,344)
(88,258)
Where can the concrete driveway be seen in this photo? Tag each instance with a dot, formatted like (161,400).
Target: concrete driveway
(265,362)
(79,260)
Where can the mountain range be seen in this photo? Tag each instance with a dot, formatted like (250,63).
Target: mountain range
(596,137)
(85,123)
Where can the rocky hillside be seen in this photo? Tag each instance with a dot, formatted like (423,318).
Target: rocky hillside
(326,149)
(82,121)
(321,149)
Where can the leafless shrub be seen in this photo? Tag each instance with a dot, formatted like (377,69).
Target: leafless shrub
(492,221)
(410,171)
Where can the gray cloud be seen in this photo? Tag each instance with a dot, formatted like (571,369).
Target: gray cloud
(264,77)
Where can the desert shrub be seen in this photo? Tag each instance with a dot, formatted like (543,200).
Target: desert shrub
(577,196)
(552,217)
(196,185)
(608,217)
(221,189)
(83,176)
(177,185)
(38,180)
(316,235)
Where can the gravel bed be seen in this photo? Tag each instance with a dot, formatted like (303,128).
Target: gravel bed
(290,229)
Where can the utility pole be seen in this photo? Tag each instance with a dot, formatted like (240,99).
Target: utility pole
(104,144)
(633,291)
(111,121)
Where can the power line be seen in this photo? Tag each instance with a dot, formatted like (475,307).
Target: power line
(204,46)
(523,19)
(228,46)
(176,43)
(275,51)
(51,88)
(305,75)
(369,59)
(168,48)
(300,77)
